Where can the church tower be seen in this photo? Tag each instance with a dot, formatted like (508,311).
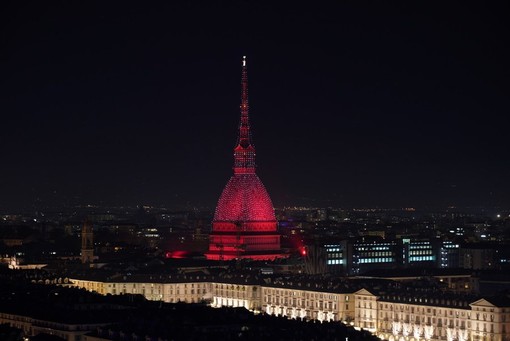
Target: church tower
(244,224)
(87,243)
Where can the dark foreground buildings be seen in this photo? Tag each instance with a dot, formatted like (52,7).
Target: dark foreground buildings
(46,312)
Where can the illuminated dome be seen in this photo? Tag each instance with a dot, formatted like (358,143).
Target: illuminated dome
(244,224)
(244,199)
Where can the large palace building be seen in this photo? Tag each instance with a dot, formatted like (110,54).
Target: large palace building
(244,224)
(393,311)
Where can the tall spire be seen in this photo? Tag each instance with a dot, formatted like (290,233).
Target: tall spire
(244,127)
(244,153)
(244,224)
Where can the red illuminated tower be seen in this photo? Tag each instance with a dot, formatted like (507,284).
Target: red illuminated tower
(244,224)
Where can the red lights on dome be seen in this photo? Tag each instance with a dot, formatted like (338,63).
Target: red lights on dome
(244,199)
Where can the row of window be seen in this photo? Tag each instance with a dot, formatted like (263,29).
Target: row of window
(420,252)
(372,248)
(335,261)
(415,247)
(376,260)
(376,254)
(421,258)
(302,303)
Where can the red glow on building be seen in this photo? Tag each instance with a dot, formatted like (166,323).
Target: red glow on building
(244,224)
(177,254)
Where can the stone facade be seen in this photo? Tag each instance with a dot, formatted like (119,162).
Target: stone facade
(393,316)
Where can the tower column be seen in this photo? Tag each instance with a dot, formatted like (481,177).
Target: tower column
(87,243)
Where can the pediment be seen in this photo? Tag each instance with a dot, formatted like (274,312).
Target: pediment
(364,292)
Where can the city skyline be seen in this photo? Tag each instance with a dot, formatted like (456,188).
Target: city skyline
(352,104)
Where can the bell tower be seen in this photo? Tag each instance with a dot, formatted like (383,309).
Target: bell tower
(87,243)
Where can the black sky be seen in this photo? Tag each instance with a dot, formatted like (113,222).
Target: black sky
(354,104)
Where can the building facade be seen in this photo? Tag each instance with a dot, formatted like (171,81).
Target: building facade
(400,317)
(33,326)
(392,314)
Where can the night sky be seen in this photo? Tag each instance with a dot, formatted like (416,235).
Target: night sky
(352,105)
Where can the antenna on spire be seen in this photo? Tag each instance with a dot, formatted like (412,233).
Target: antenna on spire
(244,60)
